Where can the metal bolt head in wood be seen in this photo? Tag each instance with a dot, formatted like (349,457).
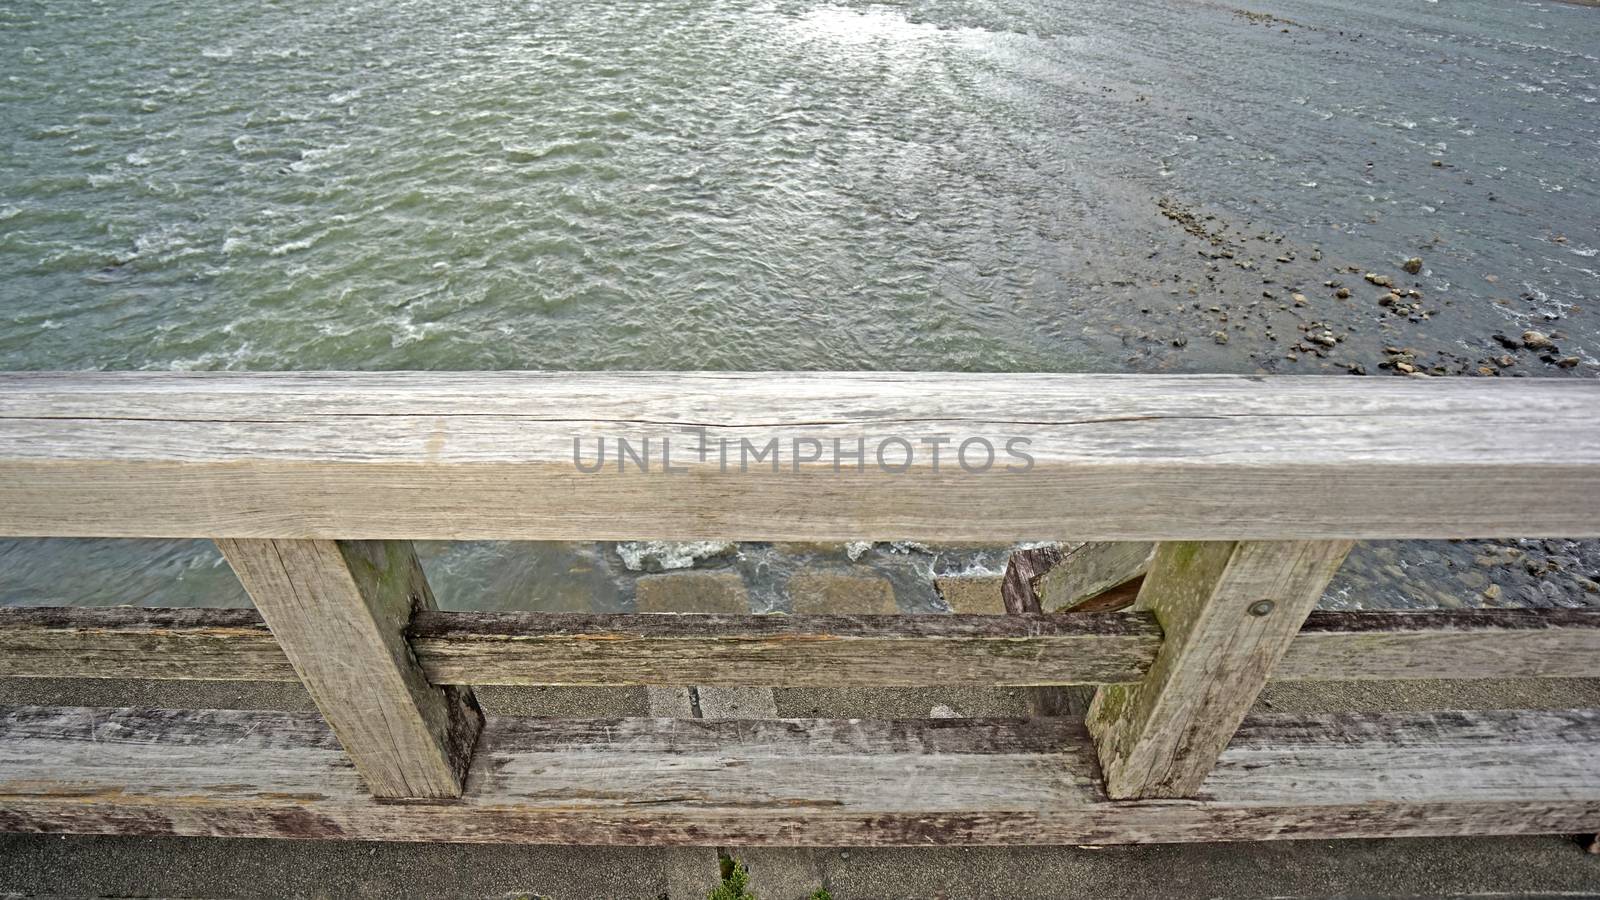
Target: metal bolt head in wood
(1261,607)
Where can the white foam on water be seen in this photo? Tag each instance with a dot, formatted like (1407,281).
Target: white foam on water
(311,158)
(292,247)
(643,556)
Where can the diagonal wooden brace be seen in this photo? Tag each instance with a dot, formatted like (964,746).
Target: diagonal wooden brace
(1228,612)
(340,609)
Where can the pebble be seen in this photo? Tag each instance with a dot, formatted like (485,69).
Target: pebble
(1412,265)
(1342,293)
(1492,592)
(1567,362)
(1380,280)
(1536,340)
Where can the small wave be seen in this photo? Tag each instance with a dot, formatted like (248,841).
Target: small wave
(292,247)
(311,159)
(557,150)
(161,242)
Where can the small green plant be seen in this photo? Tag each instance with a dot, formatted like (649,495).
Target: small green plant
(735,882)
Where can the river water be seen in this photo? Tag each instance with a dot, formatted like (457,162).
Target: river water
(997,185)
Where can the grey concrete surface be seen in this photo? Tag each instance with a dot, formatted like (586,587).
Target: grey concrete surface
(218,867)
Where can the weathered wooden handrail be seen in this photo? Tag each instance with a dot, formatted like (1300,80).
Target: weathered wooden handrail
(490,456)
(1252,489)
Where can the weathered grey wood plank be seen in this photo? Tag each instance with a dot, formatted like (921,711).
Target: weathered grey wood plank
(1069,577)
(798,782)
(904,651)
(136,642)
(1228,612)
(1024,568)
(339,609)
(1479,644)
(1089,570)
(788,651)
(1017,597)
(1133,458)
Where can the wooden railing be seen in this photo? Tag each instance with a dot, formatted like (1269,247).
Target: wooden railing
(1254,488)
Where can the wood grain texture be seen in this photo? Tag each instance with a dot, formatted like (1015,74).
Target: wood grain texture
(1478,644)
(1159,737)
(1134,458)
(1069,577)
(1090,569)
(339,610)
(783,651)
(799,782)
(908,651)
(135,642)
(1016,595)
(1024,568)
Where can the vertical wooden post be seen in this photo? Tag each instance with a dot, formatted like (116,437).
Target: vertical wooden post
(340,608)
(1228,611)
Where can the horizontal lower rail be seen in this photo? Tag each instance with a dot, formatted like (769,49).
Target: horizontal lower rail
(797,651)
(748,782)
(797,456)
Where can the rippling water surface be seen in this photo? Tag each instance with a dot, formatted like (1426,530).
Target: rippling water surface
(961,184)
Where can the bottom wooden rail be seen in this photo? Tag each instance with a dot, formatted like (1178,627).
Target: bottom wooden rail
(798,781)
